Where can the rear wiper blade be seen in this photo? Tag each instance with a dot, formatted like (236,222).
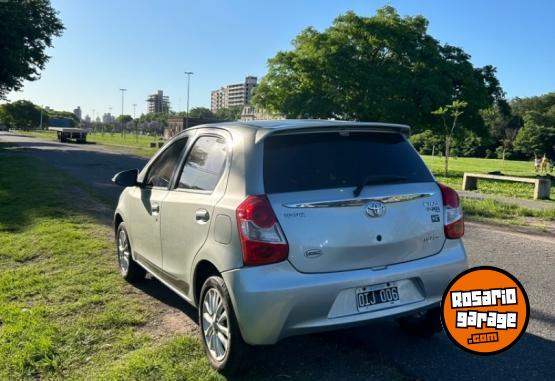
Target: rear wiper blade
(377,179)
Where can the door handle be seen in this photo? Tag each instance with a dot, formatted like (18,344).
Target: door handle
(155,208)
(202,215)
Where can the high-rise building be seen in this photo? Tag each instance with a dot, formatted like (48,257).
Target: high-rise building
(238,94)
(108,118)
(77,112)
(158,102)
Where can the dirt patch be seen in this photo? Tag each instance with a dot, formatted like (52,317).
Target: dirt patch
(170,315)
(169,323)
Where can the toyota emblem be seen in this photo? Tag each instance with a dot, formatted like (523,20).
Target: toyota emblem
(375,209)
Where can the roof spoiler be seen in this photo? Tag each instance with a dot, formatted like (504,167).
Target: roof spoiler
(402,129)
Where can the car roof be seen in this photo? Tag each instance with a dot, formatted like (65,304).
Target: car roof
(265,127)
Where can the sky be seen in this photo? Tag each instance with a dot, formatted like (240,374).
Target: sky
(147,45)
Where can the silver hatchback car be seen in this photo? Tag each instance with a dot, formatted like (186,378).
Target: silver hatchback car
(279,228)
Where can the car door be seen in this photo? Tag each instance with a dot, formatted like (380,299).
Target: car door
(144,204)
(188,208)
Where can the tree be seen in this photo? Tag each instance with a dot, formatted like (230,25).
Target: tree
(503,126)
(229,113)
(450,115)
(379,68)
(160,117)
(123,119)
(537,116)
(64,115)
(427,143)
(200,112)
(543,106)
(535,139)
(26,30)
(21,114)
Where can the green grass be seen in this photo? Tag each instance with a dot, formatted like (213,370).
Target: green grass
(65,313)
(509,213)
(134,144)
(457,167)
(140,145)
(180,359)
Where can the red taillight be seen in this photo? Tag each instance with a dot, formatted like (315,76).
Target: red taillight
(454,222)
(262,240)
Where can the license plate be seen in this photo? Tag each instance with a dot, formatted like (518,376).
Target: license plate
(372,295)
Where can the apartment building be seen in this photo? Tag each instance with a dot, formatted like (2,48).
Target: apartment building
(158,102)
(238,94)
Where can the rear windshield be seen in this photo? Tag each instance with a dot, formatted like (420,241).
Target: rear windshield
(339,159)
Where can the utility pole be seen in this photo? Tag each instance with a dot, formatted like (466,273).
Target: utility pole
(135,122)
(188,74)
(122,92)
(111,120)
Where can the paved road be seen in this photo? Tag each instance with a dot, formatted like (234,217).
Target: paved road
(92,164)
(530,257)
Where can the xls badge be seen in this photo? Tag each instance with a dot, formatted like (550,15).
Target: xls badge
(485,310)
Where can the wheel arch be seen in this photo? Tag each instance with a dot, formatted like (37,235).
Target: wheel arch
(118,219)
(203,270)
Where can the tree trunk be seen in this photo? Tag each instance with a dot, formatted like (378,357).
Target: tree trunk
(447,139)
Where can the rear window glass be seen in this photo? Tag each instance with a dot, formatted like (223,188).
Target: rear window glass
(339,159)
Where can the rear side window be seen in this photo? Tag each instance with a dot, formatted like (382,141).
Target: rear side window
(301,162)
(160,172)
(205,164)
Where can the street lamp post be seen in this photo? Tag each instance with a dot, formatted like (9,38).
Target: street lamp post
(112,124)
(122,92)
(135,122)
(188,73)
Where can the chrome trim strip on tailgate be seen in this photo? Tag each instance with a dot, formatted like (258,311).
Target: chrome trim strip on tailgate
(359,201)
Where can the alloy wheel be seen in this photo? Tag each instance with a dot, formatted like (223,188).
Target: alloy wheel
(215,324)
(123,251)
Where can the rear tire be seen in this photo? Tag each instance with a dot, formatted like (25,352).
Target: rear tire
(221,336)
(130,270)
(423,324)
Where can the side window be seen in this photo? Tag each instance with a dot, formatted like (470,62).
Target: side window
(205,164)
(160,172)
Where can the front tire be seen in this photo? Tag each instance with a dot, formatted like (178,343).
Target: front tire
(424,324)
(130,270)
(220,332)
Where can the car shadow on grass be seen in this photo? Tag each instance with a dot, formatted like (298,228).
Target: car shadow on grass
(324,356)
(380,350)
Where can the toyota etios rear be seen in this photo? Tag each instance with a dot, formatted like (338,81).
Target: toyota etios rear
(279,228)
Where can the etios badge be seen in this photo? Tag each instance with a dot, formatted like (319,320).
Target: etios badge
(375,209)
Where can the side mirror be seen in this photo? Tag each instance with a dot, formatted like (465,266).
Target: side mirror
(126,178)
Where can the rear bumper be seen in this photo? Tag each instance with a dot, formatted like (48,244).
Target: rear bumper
(275,301)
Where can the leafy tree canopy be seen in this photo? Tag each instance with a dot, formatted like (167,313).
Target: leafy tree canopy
(26,30)
(200,112)
(63,114)
(21,114)
(535,138)
(124,118)
(27,115)
(379,68)
(161,117)
(229,113)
